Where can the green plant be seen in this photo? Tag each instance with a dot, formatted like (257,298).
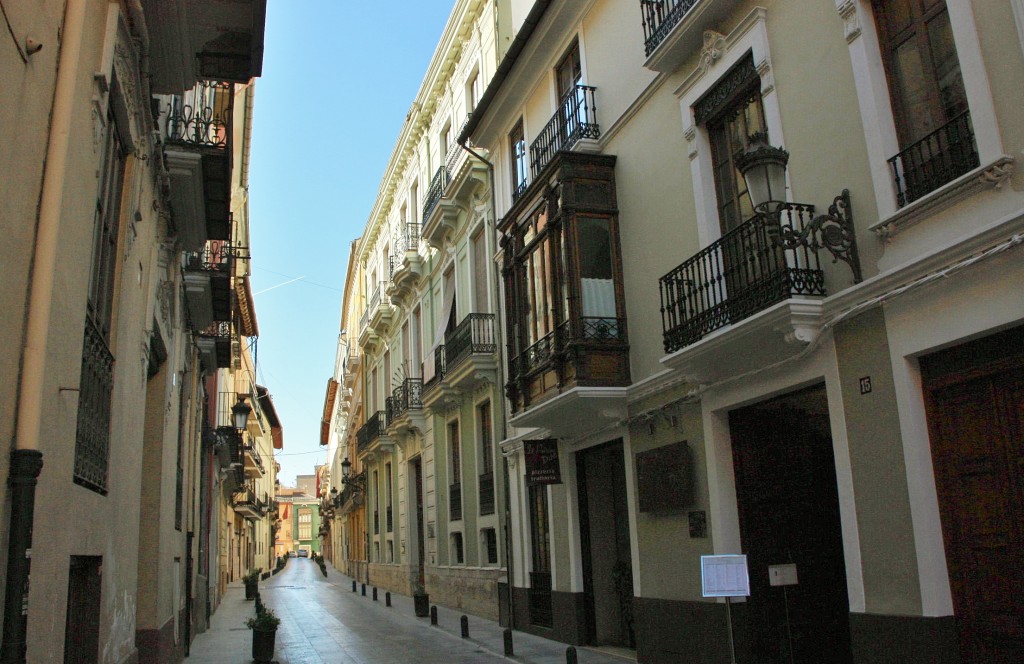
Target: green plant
(251,577)
(264,621)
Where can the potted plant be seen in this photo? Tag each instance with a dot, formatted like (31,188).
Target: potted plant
(251,580)
(264,631)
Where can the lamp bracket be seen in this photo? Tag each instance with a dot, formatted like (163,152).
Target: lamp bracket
(832,231)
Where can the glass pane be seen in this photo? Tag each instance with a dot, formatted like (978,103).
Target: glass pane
(947,66)
(913,86)
(597,286)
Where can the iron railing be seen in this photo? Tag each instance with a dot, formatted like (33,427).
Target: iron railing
(594,328)
(533,356)
(455,501)
(92,435)
(215,256)
(576,118)
(394,264)
(434,192)
(741,274)
(251,450)
(940,157)
(407,239)
(475,334)
(375,297)
(440,366)
(486,487)
(658,17)
(245,497)
(407,396)
(201,116)
(371,431)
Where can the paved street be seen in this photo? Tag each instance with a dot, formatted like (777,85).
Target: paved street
(323,621)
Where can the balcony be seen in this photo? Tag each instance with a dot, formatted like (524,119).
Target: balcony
(252,462)
(575,119)
(486,488)
(735,277)
(449,193)
(468,356)
(220,39)
(405,407)
(198,143)
(372,435)
(216,345)
(408,269)
(455,501)
(244,502)
(208,283)
(674,29)
(381,312)
(940,157)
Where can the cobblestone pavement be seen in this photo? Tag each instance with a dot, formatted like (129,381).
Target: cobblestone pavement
(324,622)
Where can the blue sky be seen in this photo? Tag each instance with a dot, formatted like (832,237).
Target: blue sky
(338,79)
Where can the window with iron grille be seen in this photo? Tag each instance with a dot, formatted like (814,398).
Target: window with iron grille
(92,436)
(458,555)
(490,541)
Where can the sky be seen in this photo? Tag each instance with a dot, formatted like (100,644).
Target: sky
(338,79)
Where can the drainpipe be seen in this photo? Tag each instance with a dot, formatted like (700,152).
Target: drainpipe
(499,334)
(26,459)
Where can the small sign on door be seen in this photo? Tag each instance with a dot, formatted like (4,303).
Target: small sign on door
(782,575)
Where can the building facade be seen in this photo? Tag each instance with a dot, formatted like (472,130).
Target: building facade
(834,389)
(120,261)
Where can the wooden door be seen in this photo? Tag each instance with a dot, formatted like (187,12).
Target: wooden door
(789,515)
(976,425)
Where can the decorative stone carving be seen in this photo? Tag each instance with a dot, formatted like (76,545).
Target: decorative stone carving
(848,12)
(713,49)
(690,134)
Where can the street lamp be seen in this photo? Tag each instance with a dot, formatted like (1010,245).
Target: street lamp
(240,412)
(764,170)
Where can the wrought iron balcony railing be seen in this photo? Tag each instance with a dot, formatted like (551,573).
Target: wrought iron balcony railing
(92,436)
(201,116)
(216,256)
(407,239)
(250,448)
(659,17)
(440,365)
(940,157)
(371,431)
(575,119)
(742,273)
(455,501)
(487,493)
(535,355)
(245,497)
(375,297)
(407,396)
(434,192)
(475,334)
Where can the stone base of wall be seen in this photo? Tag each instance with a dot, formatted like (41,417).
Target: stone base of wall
(672,631)
(200,616)
(156,646)
(394,578)
(568,623)
(881,639)
(471,589)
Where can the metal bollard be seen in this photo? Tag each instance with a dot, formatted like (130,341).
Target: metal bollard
(363,587)
(570,655)
(353,585)
(433,615)
(387,599)
(464,622)
(508,642)
(375,593)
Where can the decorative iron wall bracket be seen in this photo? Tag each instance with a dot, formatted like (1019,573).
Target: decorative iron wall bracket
(833,230)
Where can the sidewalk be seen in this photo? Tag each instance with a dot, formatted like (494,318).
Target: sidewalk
(324,622)
(487,634)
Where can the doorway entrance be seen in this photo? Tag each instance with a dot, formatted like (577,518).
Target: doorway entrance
(789,516)
(82,624)
(417,480)
(604,535)
(974,403)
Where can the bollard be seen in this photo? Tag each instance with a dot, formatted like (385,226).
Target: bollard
(464,621)
(570,655)
(508,642)
(387,599)
(375,593)
(433,615)
(353,585)
(363,586)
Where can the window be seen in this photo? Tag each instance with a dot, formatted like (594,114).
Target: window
(517,150)
(568,72)
(458,555)
(480,272)
(929,102)
(490,545)
(486,479)
(449,287)
(417,336)
(92,438)
(305,531)
(453,446)
(391,551)
(728,133)
(473,91)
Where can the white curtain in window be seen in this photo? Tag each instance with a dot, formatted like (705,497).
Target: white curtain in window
(441,322)
(598,298)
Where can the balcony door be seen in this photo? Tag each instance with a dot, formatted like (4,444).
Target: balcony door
(569,74)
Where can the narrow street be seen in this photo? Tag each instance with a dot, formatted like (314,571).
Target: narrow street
(323,621)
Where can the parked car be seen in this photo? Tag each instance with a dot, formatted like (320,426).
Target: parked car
(303,553)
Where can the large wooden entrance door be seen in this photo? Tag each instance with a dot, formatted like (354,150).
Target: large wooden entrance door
(421,555)
(789,515)
(974,396)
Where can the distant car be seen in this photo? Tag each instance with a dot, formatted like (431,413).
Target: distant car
(291,554)
(303,553)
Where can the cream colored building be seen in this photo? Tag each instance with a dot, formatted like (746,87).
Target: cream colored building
(835,387)
(419,314)
(119,239)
